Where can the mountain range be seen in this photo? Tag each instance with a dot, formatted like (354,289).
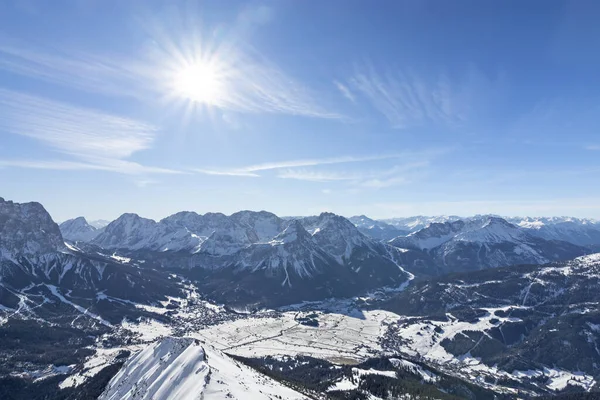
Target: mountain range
(488,305)
(427,245)
(484,242)
(579,231)
(246,258)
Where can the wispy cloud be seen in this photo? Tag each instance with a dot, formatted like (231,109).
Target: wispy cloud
(110,165)
(408,99)
(321,161)
(256,85)
(226,173)
(374,178)
(96,73)
(317,176)
(73,130)
(97,140)
(592,147)
(346,92)
(252,170)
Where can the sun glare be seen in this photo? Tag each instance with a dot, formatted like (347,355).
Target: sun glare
(200,82)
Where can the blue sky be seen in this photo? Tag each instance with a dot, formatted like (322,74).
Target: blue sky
(387,109)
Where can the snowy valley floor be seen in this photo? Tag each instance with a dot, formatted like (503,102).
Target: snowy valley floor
(336,330)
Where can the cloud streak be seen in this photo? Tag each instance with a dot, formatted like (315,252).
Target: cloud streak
(73,130)
(252,170)
(345,91)
(105,74)
(375,179)
(98,140)
(317,176)
(119,166)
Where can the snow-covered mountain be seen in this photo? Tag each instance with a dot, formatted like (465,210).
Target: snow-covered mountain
(483,229)
(78,229)
(186,369)
(132,232)
(484,242)
(27,230)
(377,229)
(212,233)
(99,223)
(35,258)
(580,231)
(248,257)
(413,224)
(294,251)
(311,258)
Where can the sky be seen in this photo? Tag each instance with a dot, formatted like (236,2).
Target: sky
(388,108)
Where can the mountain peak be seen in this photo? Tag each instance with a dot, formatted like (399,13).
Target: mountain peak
(78,229)
(293,232)
(28,229)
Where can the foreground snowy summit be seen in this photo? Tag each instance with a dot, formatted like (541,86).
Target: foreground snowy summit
(186,369)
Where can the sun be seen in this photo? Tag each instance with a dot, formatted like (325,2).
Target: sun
(200,82)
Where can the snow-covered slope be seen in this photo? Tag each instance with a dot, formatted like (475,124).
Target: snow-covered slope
(78,229)
(517,323)
(185,369)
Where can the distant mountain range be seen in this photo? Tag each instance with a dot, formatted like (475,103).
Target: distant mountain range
(579,231)
(484,242)
(292,251)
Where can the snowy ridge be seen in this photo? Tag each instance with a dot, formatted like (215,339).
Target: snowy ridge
(185,369)
(485,242)
(580,231)
(170,369)
(477,230)
(212,233)
(413,224)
